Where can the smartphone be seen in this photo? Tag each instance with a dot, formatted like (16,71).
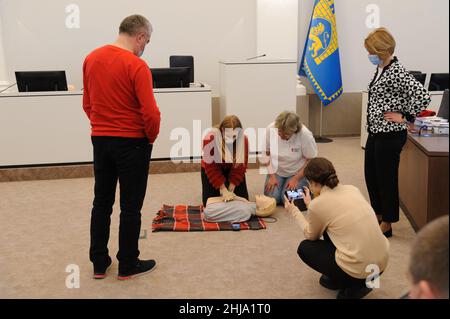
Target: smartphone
(294,194)
(297,196)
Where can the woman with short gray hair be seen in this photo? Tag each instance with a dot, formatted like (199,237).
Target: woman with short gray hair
(288,153)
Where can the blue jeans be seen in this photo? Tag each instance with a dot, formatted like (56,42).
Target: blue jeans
(278,192)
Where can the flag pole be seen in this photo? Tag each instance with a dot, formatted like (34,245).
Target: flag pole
(320,138)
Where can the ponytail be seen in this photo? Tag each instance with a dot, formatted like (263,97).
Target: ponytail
(321,170)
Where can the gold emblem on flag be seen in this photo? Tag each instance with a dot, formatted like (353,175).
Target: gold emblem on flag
(323,32)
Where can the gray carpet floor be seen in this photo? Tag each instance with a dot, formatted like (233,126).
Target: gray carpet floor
(44,227)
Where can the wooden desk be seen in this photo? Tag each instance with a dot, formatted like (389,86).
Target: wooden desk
(423,179)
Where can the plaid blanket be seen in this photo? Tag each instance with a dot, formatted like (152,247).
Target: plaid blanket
(190,218)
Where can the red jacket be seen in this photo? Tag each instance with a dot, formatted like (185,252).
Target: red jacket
(214,171)
(118,94)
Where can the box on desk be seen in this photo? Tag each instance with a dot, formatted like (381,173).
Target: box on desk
(441,129)
(434,124)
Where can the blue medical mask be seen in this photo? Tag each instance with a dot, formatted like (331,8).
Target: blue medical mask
(375,59)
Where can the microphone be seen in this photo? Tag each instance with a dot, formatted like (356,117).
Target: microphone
(255,57)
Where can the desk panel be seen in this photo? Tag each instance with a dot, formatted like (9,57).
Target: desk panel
(52,128)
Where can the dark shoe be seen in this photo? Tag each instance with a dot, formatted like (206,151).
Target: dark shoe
(353,293)
(328,283)
(142,267)
(100,271)
(388,233)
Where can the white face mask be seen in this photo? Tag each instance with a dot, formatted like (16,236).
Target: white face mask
(230,139)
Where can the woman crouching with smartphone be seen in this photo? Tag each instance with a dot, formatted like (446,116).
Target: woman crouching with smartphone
(352,238)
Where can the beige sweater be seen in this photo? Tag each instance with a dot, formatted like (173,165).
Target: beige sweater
(353,228)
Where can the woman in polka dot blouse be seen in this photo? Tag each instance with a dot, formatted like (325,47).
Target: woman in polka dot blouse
(395,98)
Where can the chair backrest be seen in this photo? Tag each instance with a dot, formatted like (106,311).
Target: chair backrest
(177,61)
(439,82)
(421,77)
(443,109)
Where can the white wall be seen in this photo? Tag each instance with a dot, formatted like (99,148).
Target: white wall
(421,29)
(277,28)
(36,38)
(3,71)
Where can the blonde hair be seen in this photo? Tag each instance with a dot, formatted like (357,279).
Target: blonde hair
(229,122)
(380,42)
(288,123)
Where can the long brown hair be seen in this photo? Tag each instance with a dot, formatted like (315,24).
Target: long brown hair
(230,122)
(321,171)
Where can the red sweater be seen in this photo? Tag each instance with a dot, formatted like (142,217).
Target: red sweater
(214,171)
(118,94)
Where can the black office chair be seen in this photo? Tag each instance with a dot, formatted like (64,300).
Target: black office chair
(177,61)
(439,82)
(443,109)
(421,77)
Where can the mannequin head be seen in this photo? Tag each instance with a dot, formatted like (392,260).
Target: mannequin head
(265,205)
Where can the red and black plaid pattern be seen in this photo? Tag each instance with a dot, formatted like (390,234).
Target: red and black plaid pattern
(190,218)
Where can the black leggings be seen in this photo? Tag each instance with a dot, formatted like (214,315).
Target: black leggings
(382,159)
(320,256)
(208,189)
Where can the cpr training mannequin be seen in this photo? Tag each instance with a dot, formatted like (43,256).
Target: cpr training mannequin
(238,210)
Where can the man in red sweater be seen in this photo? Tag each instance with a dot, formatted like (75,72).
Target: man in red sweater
(119,102)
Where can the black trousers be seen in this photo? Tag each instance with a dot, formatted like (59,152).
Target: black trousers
(208,189)
(126,160)
(382,159)
(320,256)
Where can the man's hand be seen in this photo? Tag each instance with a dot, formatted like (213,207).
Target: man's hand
(292,183)
(394,117)
(272,184)
(307,197)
